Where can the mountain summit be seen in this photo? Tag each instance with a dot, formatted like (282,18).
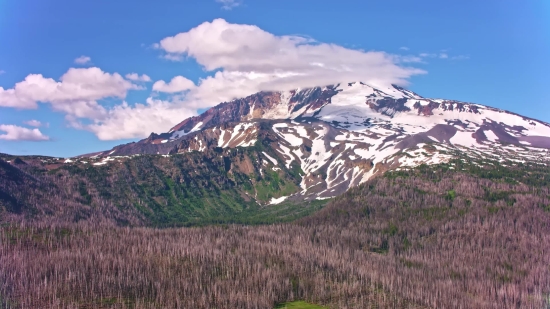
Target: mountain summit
(341,135)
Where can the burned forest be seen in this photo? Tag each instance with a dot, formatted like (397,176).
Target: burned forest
(454,235)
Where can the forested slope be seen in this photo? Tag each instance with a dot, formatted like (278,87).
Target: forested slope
(458,235)
(214,186)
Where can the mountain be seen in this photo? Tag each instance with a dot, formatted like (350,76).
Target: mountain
(342,135)
(272,157)
(472,222)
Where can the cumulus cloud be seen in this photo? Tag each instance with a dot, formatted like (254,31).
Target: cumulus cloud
(138,121)
(247,48)
(17,133)
(177,84)
(229,4)
(240,60)
(137,78)
(248,59)
(76,93)
(245,60)
(82,60)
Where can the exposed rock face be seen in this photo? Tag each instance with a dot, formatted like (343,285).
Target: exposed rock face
(389,106)
(261,105)
(428,109)
(339,136)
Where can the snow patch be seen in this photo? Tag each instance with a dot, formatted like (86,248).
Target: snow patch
(279,200)
(270,158)
(181,133)
(491,136)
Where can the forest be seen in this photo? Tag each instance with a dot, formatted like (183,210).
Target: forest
(454,235)
(197,188)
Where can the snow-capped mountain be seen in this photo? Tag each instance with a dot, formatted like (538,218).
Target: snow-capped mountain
(342,135)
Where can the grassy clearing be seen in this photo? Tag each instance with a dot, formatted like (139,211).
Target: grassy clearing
(299,305)
(269,214)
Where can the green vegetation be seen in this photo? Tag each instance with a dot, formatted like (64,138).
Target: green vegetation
(451,194)
(269,214)
(391,230)
(298,305)
(217,186)
(224,186)
(511,172)
(272,186)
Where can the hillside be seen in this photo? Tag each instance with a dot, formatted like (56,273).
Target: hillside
(270,157)
(197,188)
(342,135)
(475,232)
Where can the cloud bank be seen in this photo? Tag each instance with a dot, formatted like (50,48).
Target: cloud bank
(241,60)
(256,60)
(76,93)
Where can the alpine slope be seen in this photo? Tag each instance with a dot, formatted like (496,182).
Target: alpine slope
(342,135)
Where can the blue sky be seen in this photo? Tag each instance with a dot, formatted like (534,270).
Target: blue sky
(492,52)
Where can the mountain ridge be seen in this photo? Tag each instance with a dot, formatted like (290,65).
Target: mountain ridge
(270,157)
(344,134)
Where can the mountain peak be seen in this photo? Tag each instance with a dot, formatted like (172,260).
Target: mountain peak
(341,135)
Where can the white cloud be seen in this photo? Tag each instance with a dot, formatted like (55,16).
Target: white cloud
(2,72)
(229,4)
(82,60)
(135,77)
(248,59)
(177,84)
(16,133)
(138,121)
(241,59)
(76,93)
(443,56)
(404,48)
(33,123)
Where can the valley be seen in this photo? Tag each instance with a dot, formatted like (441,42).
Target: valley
(301,199)
(477,236)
